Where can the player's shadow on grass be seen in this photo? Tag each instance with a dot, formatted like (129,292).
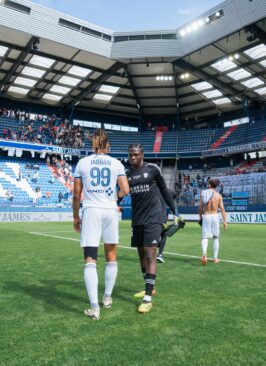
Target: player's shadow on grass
(175,261)
(125,294)
(49,295)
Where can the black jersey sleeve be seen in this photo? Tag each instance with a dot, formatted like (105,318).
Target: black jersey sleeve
(164,190)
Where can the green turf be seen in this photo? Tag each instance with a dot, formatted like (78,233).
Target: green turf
(213,315)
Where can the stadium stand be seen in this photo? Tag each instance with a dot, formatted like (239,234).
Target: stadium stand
(20,126)
(244,177)
(31,183)
(58,131)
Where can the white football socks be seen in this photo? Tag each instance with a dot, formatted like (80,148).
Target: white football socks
(204,246)
(111,270)
(215,248)
(147,298)
(91,282)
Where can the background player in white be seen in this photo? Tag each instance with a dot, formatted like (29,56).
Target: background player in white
(210,202)
(98,175)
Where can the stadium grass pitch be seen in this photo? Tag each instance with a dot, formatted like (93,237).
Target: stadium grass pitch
(213,315)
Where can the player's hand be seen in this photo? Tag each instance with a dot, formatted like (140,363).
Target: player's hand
(225,226)
(76,224)
(181,222)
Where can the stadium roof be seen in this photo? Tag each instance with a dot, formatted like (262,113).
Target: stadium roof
(212,65)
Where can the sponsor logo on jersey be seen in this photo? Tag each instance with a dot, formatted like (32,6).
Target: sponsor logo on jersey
(136,176)
(109,191)
(96,190)
(140,188)
(154,242)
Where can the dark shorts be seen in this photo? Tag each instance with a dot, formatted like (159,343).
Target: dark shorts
(146,235)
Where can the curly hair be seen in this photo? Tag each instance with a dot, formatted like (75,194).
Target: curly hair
(100,141)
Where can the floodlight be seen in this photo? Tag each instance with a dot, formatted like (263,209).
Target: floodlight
(195,26)
(183,32)
(207,19)
(200,23)
(217,14)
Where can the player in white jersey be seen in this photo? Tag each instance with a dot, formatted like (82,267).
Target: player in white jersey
(210,202)
(98,176)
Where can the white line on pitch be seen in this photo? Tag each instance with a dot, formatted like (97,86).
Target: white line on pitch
(169,253)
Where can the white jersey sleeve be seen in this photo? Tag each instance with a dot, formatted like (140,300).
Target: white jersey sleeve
(99,174)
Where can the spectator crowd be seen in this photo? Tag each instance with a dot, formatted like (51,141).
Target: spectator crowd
(42,129)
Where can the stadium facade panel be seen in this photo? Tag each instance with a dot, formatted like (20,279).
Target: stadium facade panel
(48,23)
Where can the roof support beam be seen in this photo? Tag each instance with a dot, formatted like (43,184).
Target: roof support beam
(56,58)
(178,119)
(4,84)
(204,76)
(132,86)
(96,83)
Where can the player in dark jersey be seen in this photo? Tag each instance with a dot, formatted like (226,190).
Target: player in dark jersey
(146,184)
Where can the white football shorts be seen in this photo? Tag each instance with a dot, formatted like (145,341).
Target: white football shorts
(97,224)
(210,226)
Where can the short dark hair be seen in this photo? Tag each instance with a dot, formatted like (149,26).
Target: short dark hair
(136,145)
(213,183)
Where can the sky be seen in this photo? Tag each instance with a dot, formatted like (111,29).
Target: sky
(133,15)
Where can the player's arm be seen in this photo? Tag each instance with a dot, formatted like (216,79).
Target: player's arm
(221,207)
(123,186)
(78,186)
(200,208)
(200,211)
(164,191)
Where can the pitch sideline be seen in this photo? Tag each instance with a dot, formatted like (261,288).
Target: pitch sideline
(169,253)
